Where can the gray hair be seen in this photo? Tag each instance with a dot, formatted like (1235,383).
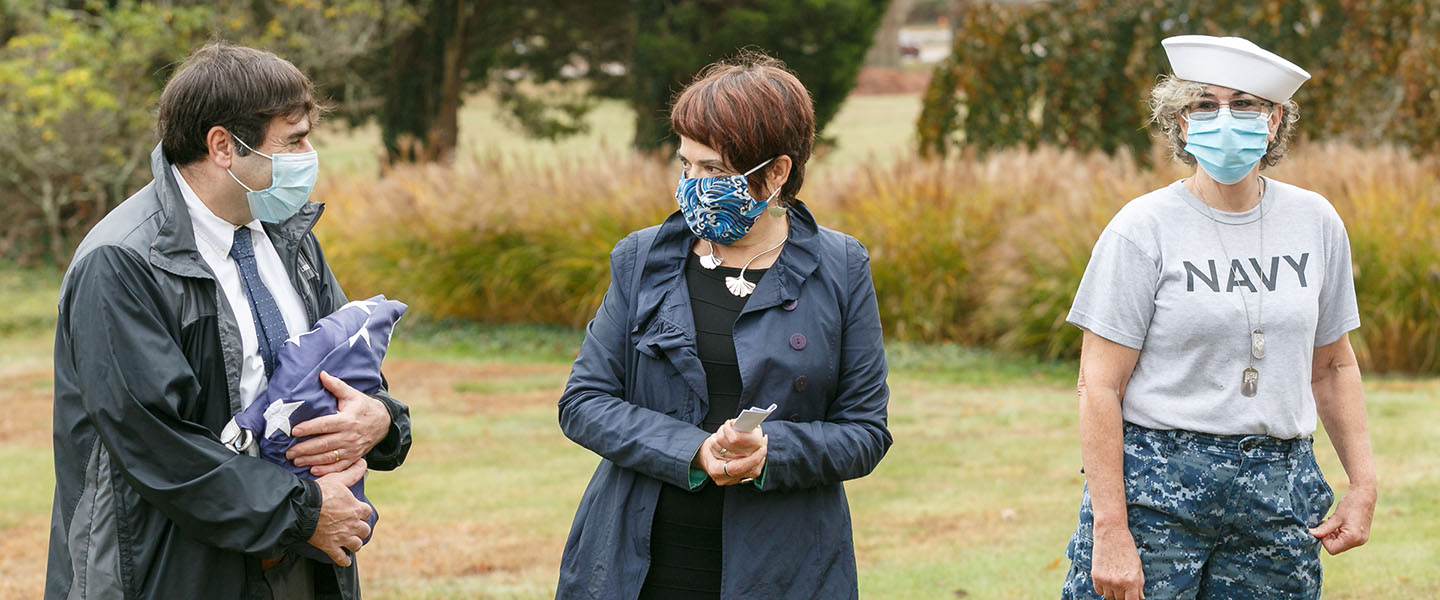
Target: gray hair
(1172,95)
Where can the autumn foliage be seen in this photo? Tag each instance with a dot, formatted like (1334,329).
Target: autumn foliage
(1076,74)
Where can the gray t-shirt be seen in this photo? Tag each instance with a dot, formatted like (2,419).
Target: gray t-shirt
(1159,281)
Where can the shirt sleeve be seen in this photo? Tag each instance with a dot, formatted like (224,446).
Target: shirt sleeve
(1116,298)
(1339,313)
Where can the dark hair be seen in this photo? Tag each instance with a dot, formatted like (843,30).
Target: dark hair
(749,109)
(238,88)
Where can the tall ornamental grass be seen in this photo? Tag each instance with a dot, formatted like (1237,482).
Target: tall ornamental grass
(981,251)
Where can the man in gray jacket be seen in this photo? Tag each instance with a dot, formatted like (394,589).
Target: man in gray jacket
(170,318)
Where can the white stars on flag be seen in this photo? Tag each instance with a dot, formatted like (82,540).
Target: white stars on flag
(277,416)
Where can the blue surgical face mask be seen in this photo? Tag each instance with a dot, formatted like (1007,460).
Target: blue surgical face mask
(1227,147)
(720,209)
(292,176)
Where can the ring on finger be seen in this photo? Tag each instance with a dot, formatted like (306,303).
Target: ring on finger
(337,455)
(726,467)
(724,450)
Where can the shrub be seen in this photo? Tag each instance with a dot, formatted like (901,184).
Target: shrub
(76,94)
(980,252)
(491,240)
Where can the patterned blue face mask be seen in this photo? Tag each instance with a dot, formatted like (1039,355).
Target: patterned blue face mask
(1227,147)
(720,209)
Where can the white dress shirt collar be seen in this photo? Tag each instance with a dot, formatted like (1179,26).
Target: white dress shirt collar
(213,235)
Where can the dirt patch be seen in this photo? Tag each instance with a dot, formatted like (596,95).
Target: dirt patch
(23,551)
(29,396)
(881,80)
(453,550)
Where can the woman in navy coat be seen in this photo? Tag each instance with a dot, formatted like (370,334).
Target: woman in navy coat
(737,300)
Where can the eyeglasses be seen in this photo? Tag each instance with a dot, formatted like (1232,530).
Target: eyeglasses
(1240,108)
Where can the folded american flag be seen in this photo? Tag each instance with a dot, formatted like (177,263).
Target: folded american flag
(349,344)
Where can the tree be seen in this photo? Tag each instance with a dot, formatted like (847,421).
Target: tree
(640,50)
(823,41)
(79,80)
(1076,74)
(77,87)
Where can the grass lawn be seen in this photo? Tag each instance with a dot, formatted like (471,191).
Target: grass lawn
(976,499)
(868,127)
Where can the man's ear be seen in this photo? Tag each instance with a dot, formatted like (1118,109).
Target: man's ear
(220,147)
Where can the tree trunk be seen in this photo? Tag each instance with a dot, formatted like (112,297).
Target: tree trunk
(444,132)
(885,50)
(50,209)
(658,73)
(419,119)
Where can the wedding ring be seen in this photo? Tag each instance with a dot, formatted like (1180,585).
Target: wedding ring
(337,455)
(726,468)
(724,451)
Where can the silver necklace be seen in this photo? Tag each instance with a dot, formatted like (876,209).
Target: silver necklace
(710,261)
(1250,377)
(739,286)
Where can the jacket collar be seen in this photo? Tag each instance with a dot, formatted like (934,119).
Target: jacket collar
(665,266)
(174,247)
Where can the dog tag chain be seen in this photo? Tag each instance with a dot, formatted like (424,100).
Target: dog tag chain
(1250,377)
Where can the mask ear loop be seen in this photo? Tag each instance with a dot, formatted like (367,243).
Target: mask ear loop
(775,211)
(247,147)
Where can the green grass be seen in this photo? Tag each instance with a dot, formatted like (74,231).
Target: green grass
(29,300)
(868,127)
(978,495)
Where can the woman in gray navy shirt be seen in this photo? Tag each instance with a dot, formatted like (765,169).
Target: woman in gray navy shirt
(1216,314)
(737,300)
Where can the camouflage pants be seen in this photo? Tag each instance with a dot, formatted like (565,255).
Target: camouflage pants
(1215,517)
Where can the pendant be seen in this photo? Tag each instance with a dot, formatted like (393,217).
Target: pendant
(710,261)
(739,286)
(1249,382)
(1257,344)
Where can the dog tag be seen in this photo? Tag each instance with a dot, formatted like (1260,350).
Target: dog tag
(1249,382)
(1257,344)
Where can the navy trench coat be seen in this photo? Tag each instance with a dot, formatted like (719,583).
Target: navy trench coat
(808,340)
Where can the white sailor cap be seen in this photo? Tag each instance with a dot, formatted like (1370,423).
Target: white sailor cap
(1236,63)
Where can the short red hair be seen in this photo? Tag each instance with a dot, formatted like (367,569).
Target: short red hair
(749,109)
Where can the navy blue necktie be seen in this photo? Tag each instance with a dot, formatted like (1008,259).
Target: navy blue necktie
(269,323)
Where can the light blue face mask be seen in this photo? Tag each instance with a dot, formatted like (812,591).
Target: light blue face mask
(292,176)
(1227,147)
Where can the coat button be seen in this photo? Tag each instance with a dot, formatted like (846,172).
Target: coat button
(790,304)
(797,341)
(801,383)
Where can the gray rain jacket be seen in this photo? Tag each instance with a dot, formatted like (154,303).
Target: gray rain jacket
(148,503)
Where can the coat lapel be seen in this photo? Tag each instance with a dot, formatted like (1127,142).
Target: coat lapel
(797,261)
(665,323)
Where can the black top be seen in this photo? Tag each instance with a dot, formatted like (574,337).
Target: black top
(716,310)
(685,538)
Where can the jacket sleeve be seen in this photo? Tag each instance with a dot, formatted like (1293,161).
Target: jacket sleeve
(133,380)
(853,438)
(390,452)
(593,409)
